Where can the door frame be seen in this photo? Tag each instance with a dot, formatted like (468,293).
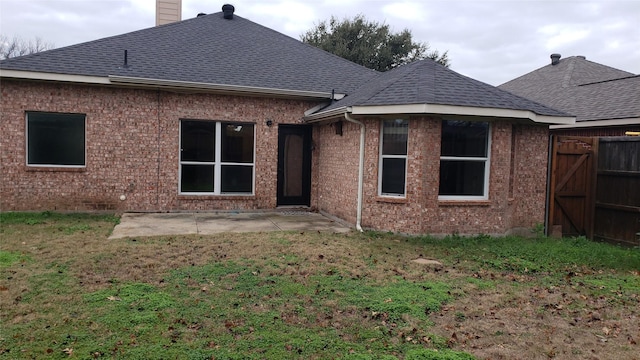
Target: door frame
(305,131)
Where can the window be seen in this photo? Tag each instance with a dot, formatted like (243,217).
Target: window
(216,157)
(393,157)
(55,139)
(464,160)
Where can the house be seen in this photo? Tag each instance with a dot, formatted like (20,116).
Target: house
(219,113)
(595,173)
(603,99)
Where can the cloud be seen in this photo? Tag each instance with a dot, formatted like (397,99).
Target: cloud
(489,40)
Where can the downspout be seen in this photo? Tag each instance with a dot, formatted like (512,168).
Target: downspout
(548,197)
(360,170)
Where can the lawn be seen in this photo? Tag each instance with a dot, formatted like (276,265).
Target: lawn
(69,292)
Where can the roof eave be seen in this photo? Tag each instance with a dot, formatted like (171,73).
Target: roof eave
(461,110)
(598,123)
(36,75)
(321,116)
(245,90)
(166,84)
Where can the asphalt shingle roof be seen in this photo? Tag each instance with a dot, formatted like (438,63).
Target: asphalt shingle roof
(205,49)
(427,82)
(212,50)
(586,89)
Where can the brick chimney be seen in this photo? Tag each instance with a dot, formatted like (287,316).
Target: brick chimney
(168,11)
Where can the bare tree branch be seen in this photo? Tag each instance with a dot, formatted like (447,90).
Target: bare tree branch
(17,46)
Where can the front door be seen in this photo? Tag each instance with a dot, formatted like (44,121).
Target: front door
(294,165)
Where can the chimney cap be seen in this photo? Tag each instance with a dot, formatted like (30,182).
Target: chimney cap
(555,59)
(227,11)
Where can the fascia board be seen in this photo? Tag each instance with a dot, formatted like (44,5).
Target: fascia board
(175,84)
(461,110)
(35,75)
(326,115)
(159,83)
(598,123)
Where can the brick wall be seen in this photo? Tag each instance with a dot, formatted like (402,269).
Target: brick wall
(336,160)
(132,147)
(530,178)
(516,189)
(133,150)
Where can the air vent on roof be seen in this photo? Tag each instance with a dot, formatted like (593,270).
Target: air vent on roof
(201,14)
(555,59)
(227,11)
(125,64)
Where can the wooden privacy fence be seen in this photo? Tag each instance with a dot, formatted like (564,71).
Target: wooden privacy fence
(595,188)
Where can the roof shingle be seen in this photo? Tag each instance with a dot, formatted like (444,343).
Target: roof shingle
(427,82)
(205,49)
(586,89)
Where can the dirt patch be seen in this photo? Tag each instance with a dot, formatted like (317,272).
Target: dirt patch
(517,321)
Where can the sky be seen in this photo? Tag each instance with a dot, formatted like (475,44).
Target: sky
(491,41)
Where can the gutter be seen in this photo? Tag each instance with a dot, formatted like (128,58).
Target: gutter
(161,83)
(360,170)
(190,85)
(344,111)
(442,109)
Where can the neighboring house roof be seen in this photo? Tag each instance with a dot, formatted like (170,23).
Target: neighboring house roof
(596,94)
(426,86)
(204,50)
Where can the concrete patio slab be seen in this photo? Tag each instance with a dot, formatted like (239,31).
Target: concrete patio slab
(155,224)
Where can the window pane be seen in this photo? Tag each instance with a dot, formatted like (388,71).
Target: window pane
(237,179)
(56,139)
(198,140)
(237,143)
(462,177)
(394,137)
(393,171)
(464,138)
(197,178)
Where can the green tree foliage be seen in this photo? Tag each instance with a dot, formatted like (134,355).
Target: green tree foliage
(370,43)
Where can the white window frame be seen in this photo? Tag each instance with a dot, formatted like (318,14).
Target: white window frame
(26,150)
(381,158)
(487,170)
(217,163)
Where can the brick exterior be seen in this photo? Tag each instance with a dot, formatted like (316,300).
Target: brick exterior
(132,147)
(133,150)
(516,191)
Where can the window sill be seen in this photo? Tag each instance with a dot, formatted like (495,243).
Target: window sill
(464,203)
(216,197)
(392,200)
(54,169)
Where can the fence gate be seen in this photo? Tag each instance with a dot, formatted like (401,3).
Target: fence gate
(573,179)
(617,200)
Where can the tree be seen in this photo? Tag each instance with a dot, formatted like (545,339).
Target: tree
(370,43)
(18,47)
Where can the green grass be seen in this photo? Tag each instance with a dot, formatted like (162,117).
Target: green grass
(68,292)
(535,255)
(37,218)
(235,310)
(8,258)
